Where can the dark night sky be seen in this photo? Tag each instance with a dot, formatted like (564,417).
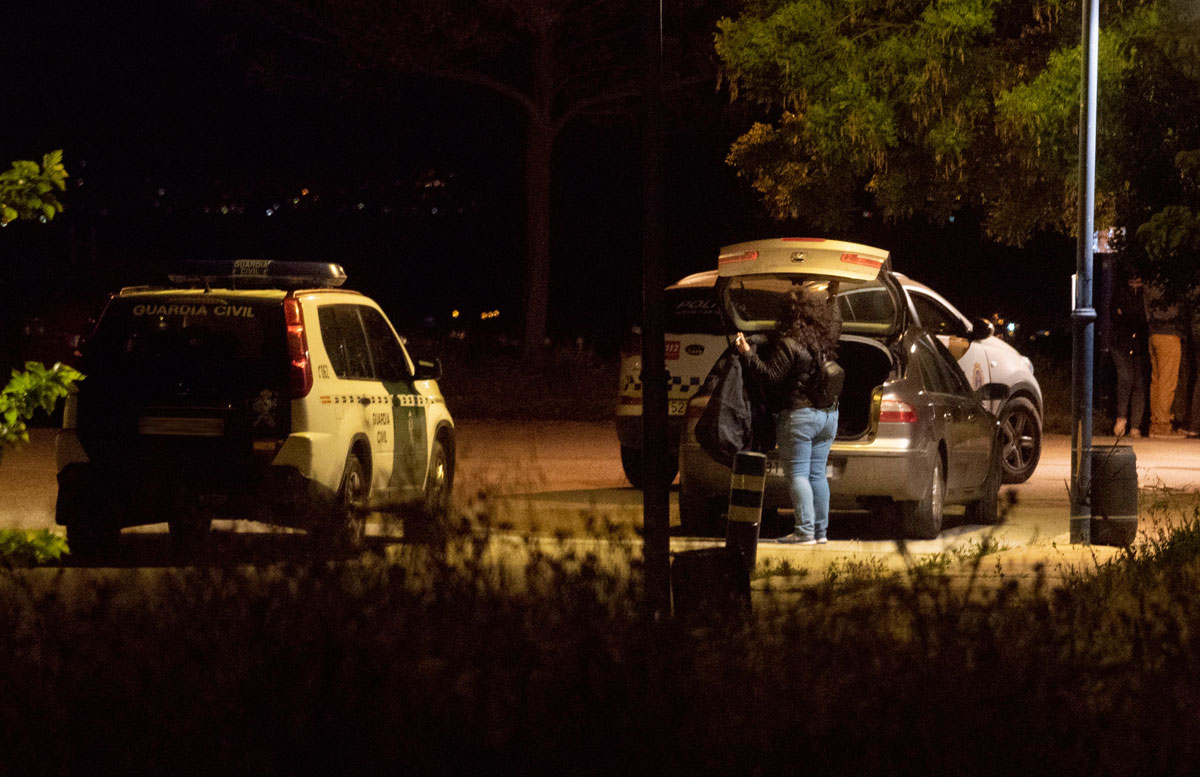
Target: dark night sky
(155,96)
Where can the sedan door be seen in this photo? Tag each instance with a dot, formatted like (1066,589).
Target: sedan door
(964,424)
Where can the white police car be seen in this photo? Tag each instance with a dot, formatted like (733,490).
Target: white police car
(695,337)
(255,389)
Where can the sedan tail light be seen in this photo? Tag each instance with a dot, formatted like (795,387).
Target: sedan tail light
(893,411)
(300,379)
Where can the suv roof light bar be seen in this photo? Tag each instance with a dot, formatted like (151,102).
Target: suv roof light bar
(259,273)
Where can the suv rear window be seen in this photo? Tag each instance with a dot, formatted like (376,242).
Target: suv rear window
(205,347)
(360,344)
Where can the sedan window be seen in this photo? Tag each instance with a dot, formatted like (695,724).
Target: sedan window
(938,371)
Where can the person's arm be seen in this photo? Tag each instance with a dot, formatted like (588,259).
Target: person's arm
(773,369)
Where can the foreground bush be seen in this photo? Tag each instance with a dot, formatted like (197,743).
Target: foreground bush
(453,663)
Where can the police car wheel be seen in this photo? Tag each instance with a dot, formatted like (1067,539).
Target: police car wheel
(348,522)
(439,479)
(1022,431)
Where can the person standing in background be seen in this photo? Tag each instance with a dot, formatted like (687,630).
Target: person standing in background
(1129,354)
(1163,319)
(1193,334)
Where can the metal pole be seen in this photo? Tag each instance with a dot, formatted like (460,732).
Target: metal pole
(656,547)
(1083,317)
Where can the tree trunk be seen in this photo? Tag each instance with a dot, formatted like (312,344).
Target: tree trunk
(539,148)
(538,151)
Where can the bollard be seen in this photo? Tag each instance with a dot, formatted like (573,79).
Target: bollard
(715,582)
(745,507)
(1114,495)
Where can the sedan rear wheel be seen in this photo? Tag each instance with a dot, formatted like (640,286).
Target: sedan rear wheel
(922,519)
(1022,430)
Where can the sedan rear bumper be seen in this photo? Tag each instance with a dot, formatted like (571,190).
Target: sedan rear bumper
(857,472)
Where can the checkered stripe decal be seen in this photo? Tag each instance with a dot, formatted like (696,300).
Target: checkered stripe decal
(675,384)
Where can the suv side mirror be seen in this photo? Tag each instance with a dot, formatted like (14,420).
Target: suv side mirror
(982,329)
(429,369)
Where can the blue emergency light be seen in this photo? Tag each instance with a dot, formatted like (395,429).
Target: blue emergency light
(259,273)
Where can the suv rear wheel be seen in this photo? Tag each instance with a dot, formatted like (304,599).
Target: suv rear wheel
(345,522)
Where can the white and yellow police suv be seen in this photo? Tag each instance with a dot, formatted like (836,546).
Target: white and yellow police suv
(251,389)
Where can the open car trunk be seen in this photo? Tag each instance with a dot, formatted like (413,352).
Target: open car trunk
(868,364)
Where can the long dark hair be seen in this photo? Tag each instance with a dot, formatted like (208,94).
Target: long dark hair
(808,318)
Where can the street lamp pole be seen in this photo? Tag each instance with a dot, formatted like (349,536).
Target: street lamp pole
(656,547)
(1083,317)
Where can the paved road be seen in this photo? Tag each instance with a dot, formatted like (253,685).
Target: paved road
(560,476)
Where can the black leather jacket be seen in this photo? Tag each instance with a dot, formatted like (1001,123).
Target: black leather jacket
(784,370)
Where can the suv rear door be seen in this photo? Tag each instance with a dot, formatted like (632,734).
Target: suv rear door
(188,380)
(362,347)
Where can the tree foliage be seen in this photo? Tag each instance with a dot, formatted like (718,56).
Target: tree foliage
(37,388)
(935,106)
(29,190)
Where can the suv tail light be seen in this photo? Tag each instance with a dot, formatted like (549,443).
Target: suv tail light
(300,378)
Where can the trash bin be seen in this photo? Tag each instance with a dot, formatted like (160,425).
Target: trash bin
(1114,495)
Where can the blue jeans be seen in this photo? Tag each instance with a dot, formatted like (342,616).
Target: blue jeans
(805,436)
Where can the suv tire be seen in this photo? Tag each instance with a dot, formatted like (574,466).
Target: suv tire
(440,478)
(1022,430)
(344,523)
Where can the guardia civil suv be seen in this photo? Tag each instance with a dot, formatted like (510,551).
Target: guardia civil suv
(249,389)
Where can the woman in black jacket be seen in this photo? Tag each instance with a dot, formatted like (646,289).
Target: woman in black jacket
(807,332)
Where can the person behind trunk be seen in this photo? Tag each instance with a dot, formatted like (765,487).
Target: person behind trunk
(1129,353)
(807,332)
(1163,317)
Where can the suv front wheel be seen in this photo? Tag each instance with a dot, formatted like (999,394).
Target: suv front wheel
(1022,429)
(441,474)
